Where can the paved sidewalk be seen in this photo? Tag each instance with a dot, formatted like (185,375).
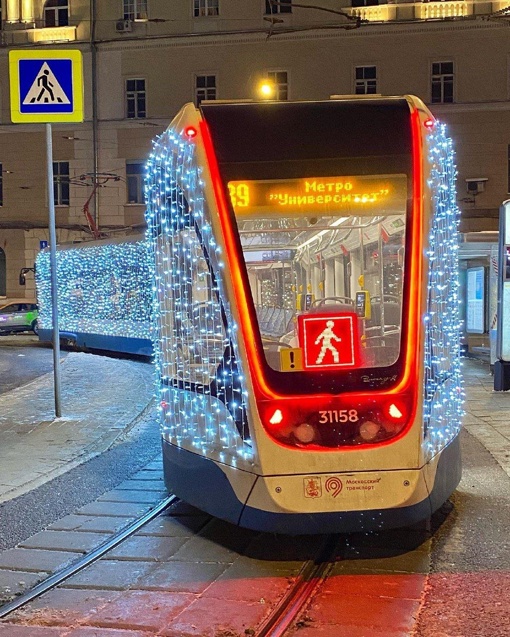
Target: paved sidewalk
(100,398)
(487,415)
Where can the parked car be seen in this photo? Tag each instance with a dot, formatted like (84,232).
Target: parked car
(18,316)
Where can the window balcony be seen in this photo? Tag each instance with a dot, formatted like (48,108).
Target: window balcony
(443,10)
(375,13)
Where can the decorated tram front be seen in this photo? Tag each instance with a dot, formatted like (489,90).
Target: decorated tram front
(306,304)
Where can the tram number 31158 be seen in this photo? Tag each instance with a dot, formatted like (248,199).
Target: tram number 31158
(338,415)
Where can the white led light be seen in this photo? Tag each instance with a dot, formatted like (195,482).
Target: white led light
(443,394)
(191,343)
(276,418)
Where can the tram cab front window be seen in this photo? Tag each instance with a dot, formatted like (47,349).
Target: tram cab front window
(325,263)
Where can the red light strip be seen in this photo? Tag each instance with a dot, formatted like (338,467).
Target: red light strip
(241,299)
(410,376)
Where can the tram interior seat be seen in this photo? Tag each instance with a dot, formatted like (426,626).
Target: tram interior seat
(382,350)
(273,321)
(391,316)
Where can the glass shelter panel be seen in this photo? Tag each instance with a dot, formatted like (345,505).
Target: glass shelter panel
(325,263)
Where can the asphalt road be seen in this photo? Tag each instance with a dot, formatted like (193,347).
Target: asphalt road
(23,359)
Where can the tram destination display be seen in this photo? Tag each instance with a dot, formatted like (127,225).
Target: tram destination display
(318,195)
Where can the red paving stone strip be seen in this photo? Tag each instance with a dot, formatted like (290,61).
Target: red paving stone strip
(466,604)
(8,630)
(90,631)
(364,605)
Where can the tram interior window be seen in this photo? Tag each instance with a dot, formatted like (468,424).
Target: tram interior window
(307,253)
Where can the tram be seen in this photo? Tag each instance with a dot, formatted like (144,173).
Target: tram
(104,292)
(306,312)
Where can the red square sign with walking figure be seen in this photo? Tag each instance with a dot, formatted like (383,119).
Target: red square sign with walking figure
(329,341)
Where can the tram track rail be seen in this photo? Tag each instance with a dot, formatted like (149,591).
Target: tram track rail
(309,580)
(87,559)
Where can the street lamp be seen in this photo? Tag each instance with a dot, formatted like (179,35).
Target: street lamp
(267,90)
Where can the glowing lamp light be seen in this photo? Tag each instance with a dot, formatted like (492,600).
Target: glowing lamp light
(369,430)
(276,418)
(305,433)
(190,132)
(266,90)
(429,123)
(395,412)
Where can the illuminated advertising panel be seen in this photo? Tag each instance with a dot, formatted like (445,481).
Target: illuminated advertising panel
(475,306)
(318,195)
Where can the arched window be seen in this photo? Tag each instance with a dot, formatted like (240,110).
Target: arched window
(56,13)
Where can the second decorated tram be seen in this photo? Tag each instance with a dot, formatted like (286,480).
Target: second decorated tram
(306,304)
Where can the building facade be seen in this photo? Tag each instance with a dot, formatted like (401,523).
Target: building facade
(143,59)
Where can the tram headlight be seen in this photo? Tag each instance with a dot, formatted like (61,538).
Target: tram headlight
(305,433)
(369,430)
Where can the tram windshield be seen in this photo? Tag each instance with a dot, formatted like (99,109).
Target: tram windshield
(325,262)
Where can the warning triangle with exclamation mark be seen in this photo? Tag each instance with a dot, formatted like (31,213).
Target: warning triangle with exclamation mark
(46,89)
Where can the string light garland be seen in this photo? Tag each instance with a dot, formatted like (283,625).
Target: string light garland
(102,289)
(443,392)
(200,385)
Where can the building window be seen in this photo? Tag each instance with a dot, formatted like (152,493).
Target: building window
(56,13)
(365,3)
(278,6)
(203,8)
(442,82)
(135,99)
(61,183)
(135,173)
(205,88)
(366,80)
(508,184)
(281,84)
(135,10)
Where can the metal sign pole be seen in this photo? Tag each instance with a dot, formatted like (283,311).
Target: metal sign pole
(53,269)
(502,365)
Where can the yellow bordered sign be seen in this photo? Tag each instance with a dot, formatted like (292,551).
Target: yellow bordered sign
(46,86)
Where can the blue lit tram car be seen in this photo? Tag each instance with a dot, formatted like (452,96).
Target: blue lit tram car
(104,291)
(307,333)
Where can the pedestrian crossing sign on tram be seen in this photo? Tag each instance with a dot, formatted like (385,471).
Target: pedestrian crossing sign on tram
(46,86)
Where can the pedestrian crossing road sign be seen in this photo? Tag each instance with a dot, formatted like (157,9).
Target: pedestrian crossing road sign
(46,86)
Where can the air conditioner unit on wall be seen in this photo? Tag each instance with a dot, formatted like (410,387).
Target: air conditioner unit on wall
(123,26)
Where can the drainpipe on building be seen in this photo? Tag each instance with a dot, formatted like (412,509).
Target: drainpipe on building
(93,50)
